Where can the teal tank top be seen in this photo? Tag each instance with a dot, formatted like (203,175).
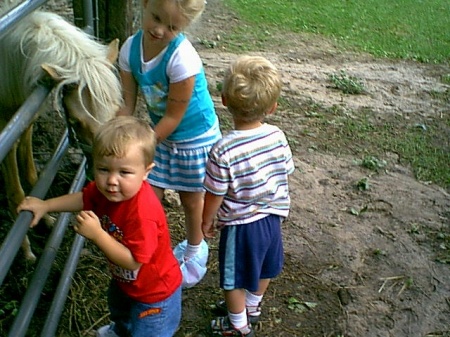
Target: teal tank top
(200,115)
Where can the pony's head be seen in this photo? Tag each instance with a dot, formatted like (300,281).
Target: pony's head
(90,98)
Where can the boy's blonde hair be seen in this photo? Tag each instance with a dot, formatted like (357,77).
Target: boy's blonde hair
(115,136)
(251,87)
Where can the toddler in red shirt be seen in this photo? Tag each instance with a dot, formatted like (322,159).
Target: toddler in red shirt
(120,213)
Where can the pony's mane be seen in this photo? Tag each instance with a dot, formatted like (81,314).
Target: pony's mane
(77,57)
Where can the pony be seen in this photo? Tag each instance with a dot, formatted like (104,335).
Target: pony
(86,85)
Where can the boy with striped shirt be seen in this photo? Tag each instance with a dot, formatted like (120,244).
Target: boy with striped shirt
(247,189)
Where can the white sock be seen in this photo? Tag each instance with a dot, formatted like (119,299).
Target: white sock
(191,251)
(252,302)
(239,321)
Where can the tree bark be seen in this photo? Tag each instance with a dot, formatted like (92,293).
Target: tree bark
(112,19)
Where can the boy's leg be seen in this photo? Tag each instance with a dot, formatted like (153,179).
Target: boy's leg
(252,303)
(247,241)
(160,319)
(119,307)
(236,273)
(253,300)
(235,300)
(262,287)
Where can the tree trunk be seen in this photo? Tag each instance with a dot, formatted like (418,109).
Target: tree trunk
(112,19)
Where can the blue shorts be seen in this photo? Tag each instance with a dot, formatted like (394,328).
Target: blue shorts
(250,252)
(136,319)
(181,166)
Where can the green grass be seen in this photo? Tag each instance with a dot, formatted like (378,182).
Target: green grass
(404,29)
(407,29)
(422,147)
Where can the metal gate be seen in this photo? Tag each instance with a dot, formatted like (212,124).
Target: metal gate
(13,240)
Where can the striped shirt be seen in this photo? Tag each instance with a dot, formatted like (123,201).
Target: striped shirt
(250,169)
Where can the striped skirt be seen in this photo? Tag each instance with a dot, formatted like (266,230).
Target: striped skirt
(180,166)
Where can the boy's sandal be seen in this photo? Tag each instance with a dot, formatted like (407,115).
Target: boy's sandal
(221,326)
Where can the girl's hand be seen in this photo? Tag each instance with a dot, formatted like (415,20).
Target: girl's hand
(35,205)
(208,229)
(88,225)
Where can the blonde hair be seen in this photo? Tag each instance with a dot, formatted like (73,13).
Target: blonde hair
(191,9)
(251,87)
(115,136)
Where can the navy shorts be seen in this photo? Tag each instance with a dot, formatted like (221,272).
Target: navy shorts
(250,252)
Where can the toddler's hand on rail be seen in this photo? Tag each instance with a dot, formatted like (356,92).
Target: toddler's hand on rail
(35,205)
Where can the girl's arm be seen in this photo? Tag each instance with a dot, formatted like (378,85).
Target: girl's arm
(210,208)
(129,92)
(180,94)
(89,226)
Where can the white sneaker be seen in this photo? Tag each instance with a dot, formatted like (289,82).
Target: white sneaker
(194,268)
(106,331)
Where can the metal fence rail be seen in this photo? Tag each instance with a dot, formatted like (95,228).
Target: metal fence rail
(11,244)
(40,275)
(13,16)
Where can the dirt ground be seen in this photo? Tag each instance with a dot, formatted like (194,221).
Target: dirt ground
(357,263)
(372,274)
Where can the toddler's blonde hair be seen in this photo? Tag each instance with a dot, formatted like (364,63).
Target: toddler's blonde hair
(115,136)
(251,87)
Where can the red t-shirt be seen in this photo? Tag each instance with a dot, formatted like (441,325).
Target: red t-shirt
(139,224)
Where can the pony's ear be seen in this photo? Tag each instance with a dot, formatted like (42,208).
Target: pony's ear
(51,71)
(113,51)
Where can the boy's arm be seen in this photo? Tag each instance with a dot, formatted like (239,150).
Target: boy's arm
(129,92)
(89,226)
(65,203)
(210,209)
